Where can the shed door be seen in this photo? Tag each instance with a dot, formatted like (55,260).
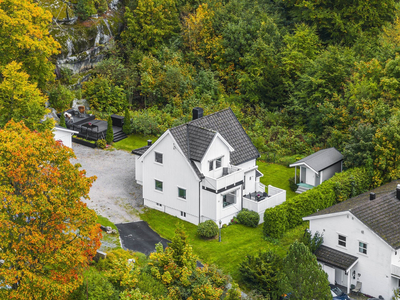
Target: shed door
(310,177)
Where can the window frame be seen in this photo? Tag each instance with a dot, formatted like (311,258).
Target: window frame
(155,157)
(210,165)
(183,214)
(341,240)
(179,196)
(361,247)
(218,161)
(224,199)
(155,185)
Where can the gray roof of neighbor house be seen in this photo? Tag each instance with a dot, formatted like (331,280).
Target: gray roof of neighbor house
(198,134)
(321,160)
(381,215)
(335,258)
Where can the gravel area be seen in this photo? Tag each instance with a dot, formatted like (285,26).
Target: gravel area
(114,194)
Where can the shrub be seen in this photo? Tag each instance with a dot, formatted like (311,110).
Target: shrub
(207,229)
(248,218)
(101,143)
(126,128)
(110,132)
(340,187)
(62,120)
(60,97)
(293,186)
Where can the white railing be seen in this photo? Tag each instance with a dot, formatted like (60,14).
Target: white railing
(261,187)
(277,196)
(235,176)
(395,270)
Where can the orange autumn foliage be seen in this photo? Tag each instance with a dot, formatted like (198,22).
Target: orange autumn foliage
(47,234)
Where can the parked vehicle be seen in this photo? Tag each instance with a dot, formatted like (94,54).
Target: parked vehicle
(337,293)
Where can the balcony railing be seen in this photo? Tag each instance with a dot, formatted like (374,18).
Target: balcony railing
(278,197)
(230,178)
(395,270)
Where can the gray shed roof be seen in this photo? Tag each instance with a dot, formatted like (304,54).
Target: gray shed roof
(321,160)
(335,258)
(225,123)
(380,215)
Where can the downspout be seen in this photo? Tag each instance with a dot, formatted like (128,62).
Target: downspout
(200,201)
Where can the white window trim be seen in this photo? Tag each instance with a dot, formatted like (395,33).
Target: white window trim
(183,214)
(155,185)
(358,248)
(180,198)
(229,192)
(344,247)
(156,162)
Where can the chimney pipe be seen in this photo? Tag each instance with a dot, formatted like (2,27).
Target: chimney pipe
(197,113)
(149,142)
(398,192)
(372,196)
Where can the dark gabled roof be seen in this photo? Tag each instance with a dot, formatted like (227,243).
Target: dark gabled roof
(225,123)
(322,159)
(380,215)
(335,258)
(140,151)
(198,141)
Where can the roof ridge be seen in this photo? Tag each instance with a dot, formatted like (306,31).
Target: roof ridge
(187,140)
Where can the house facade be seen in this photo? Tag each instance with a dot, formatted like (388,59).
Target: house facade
(317,167)
(64,135)
(362,241)
(204,170)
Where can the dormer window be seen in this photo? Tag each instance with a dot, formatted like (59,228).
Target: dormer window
(218,163)
(158,157)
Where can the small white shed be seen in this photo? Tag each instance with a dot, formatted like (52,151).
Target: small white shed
(318,167)
(64,135)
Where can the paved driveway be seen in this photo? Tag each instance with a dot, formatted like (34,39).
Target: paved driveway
(114,194)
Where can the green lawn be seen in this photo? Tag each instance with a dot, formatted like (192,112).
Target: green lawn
(133,141)
(109,241)
(237,241)
(277,175)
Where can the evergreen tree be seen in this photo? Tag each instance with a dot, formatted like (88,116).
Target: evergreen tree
(127,122)
(62,120)
(303,276)
(110,133)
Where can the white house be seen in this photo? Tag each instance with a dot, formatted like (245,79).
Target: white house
(64,135)
(362,241)
(317,167)
(204,169)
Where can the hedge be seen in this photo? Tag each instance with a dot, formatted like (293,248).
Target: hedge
(340,187)
(207,229)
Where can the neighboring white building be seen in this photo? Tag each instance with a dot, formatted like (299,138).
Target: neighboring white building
(318,167)
(362,241)
(64,135)
(205,169)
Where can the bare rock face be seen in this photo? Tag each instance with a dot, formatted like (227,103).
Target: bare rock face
(83,43)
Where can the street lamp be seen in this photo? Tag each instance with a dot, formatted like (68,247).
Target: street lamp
(219,230)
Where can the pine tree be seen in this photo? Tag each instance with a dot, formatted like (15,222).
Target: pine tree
(62,120)
(127,122)
(110,133)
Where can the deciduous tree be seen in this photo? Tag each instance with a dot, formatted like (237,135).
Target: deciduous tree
(47,233)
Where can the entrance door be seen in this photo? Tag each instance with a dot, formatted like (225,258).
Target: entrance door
(310,177)
(341,277)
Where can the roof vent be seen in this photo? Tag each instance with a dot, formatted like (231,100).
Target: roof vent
(372,196)
(398,192)
(149,142)
(197,113)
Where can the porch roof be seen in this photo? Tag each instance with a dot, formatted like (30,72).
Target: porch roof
(335,258)
(320,160)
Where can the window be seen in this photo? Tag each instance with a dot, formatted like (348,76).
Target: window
(342,240)
(158,157)
(362,247)
(159,185)
(229,199)
(218,163)
(211,165)
(182,193)
(183,214)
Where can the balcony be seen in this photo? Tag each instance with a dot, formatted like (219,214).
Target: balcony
(231,177)
(395,271)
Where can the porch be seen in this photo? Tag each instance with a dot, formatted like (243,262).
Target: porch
(260,201)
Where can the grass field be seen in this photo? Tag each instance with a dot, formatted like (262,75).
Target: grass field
(277,175)
(109,241)
(134,141)
(237,241)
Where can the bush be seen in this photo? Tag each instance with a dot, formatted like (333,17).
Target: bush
(60,97)
(101,143)
(207,229)
(293,186)
(248,218)
(126,128)
(340,187)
